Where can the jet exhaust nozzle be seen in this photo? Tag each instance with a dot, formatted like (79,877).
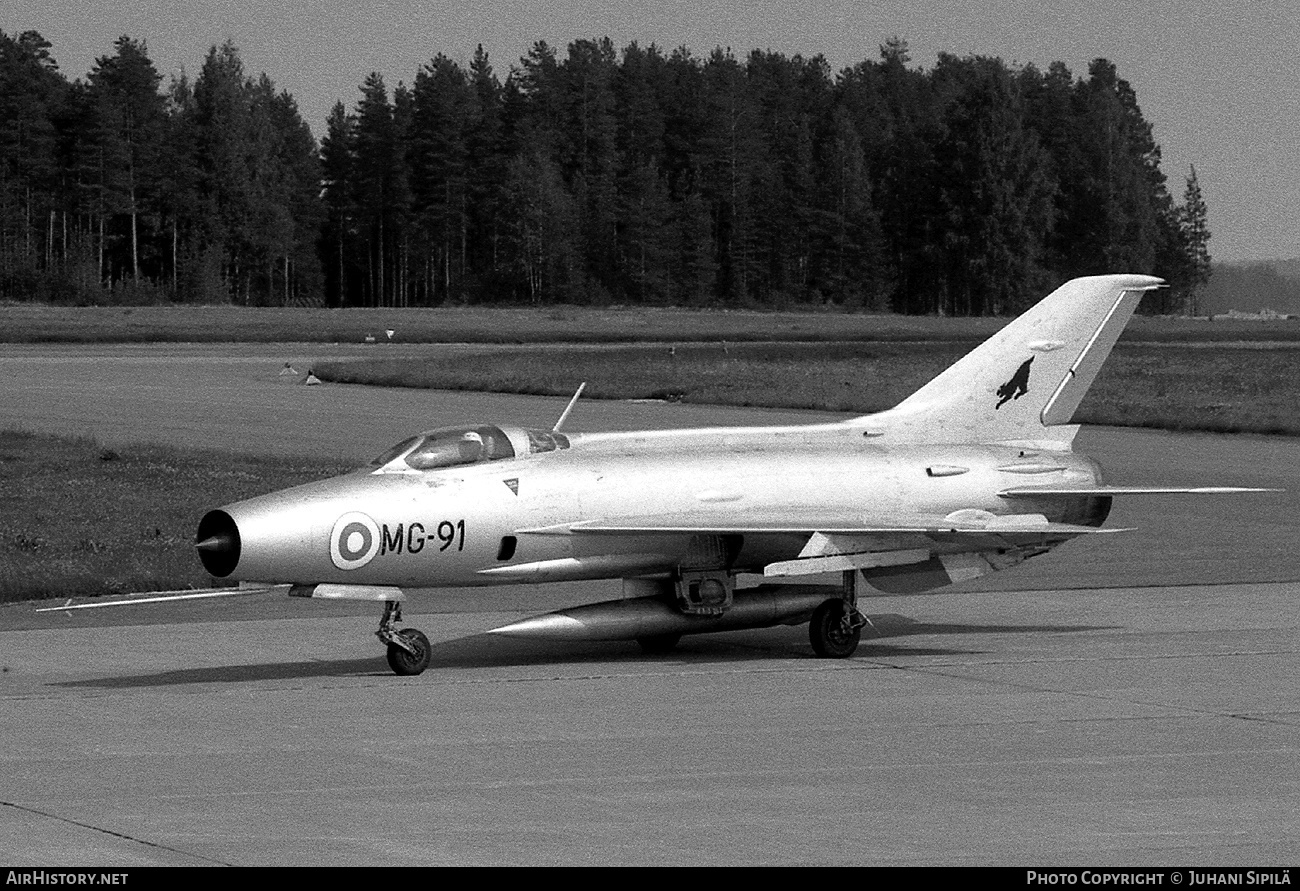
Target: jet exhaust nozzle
(217,542)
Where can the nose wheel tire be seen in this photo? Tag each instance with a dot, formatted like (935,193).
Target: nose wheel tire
(835,629)
(409,663)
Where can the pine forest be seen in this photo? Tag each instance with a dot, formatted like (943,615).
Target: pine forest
(593,176)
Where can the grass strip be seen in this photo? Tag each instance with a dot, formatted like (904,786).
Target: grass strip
(1230,389)
(78,518)
(36,323)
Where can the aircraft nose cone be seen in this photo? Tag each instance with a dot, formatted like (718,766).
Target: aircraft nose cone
(217,542)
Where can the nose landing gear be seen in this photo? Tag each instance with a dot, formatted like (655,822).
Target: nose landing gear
(408,649)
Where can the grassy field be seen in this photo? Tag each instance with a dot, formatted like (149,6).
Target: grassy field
(29,323)
(78,519)
(1216,389)
(1177,387)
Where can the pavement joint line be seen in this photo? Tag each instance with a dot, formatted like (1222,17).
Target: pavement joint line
(384,681)
(617,675)
(1066,660)
(121,835)
(1262,718)
(676,777)
(1186,710)
(1058,589)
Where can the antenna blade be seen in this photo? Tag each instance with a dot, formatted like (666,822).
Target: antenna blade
(568,408)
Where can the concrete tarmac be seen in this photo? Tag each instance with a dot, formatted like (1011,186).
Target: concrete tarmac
(1128,700)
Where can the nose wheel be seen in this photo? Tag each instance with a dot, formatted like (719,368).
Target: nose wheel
(408,649)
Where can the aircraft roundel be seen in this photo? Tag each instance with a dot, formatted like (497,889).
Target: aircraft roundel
(354,540)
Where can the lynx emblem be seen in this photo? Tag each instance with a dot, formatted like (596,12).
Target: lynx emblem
(1016,387)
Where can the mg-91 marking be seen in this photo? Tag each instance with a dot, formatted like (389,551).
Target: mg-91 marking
(447,534)
(412,537)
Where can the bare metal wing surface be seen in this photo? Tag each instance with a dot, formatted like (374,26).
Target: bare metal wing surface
(974,473)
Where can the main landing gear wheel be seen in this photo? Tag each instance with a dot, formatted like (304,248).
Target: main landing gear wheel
(407,663)
(658,644)
(835,629)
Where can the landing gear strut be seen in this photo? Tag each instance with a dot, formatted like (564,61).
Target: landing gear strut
(836,625)
(408,649)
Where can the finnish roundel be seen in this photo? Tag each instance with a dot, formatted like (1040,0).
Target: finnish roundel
(354,540)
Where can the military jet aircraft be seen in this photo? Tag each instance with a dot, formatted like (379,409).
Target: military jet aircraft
(971,474)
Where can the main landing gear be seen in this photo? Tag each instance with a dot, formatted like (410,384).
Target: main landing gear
(408,649)
(836,624)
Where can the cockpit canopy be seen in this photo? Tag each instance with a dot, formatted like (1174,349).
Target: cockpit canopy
(454,446)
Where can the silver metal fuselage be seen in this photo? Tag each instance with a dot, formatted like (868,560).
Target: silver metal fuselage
(520,519)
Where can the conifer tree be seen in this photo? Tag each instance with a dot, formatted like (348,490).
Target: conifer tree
(442,118)
(338,151)
(490,145)
(31,92)
(130,124)
(378,190)
(1196,237)
(996,194)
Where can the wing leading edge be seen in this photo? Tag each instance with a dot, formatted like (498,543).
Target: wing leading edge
(967,521)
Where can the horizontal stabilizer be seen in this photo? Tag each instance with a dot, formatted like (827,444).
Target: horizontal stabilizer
(1074,491)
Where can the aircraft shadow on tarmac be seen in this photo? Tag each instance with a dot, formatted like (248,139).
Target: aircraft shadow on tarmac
(488,651)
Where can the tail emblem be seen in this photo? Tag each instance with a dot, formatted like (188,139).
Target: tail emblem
(1016,387)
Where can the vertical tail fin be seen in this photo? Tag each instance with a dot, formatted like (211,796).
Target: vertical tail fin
(1028,377)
